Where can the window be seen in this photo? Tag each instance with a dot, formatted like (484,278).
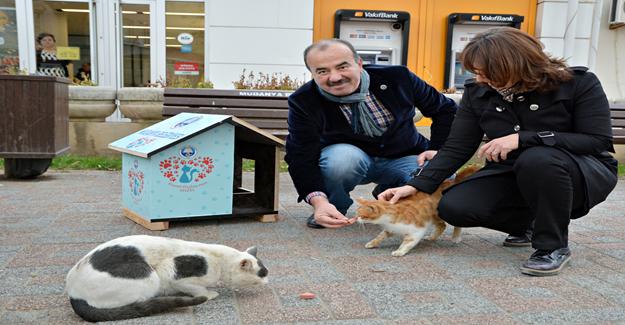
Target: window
(9,54)
(63,39)
(136,52)
(184,43)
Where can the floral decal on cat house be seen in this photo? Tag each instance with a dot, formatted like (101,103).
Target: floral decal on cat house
(187,169)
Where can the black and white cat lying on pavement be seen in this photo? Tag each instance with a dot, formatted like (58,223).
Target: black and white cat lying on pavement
(136,276)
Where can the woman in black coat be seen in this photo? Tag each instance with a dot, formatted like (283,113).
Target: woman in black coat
(547,160)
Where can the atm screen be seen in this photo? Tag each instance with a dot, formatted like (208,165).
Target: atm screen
(383,57)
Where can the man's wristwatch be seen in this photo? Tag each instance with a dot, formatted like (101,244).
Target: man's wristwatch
(547,137)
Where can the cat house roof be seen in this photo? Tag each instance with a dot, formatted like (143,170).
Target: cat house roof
(164,134)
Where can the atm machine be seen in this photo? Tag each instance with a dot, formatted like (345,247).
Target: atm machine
(461,28)
(379,37)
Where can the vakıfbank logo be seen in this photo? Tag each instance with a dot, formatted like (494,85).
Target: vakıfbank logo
(496,18)
(384,15)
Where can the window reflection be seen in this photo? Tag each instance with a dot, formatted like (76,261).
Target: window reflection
(62,39)
(185,43)
(9,54)
(136,52)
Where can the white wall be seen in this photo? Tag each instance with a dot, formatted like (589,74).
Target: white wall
(551,20)
(261,36)
(611,57)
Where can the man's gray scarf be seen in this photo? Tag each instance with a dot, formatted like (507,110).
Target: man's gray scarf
(363,121)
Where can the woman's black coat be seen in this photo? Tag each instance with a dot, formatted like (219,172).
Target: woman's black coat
(577,114)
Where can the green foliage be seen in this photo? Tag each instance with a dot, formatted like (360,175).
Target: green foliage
(180,82)
(204,84)
(78,162)
(621,170)
(83,81)
(274,81)
(248,166)
(71,162)
(14,70)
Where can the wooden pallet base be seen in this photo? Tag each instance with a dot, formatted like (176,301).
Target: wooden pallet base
(160,225)
(268,218)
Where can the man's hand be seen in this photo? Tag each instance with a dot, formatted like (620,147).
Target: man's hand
(426,155)
(394,194)
(327,215)
(499,148)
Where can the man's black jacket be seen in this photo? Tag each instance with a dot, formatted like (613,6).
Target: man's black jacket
(315,122)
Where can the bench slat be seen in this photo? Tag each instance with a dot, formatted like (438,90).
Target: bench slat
(246,93)
(268,123)
(617,114)
(617,106)
(236,111)
(225,102)
(618,123)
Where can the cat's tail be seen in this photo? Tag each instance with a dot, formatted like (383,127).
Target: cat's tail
(460,176)
(138,309)
(466,172)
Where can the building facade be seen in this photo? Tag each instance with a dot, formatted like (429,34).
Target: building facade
(136,43)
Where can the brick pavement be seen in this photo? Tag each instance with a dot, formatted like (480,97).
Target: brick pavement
(47,224)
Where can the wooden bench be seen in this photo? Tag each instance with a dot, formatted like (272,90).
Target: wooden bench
(617,113)
(266,109)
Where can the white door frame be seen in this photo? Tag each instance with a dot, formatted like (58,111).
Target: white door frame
(26,35)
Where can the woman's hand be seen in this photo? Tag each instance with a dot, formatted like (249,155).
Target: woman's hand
(498,149)
(394,194)
(425,156)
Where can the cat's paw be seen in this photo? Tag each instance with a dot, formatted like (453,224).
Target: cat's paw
(371,244)
(456,240)
(211,294)
(398,253)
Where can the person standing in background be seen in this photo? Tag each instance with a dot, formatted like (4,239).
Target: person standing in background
(47,62)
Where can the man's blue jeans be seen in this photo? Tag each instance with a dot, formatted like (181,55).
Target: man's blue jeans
(344,166)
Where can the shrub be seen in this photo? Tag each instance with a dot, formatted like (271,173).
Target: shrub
(265,81)
(180,82)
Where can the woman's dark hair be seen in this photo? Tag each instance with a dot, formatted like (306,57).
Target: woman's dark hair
(42,35)
(506,55)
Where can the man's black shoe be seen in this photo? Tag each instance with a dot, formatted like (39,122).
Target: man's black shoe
(524,240)
(545,262)
(311,223)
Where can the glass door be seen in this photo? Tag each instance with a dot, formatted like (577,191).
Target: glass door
(184,43)
(137,30)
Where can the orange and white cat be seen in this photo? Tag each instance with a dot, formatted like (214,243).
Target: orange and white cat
(410,216)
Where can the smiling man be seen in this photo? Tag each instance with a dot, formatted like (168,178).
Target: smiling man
(353,124)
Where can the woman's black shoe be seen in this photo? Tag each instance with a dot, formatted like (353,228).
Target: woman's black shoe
(311,223)
(517,241)
(544,262)
(524,240)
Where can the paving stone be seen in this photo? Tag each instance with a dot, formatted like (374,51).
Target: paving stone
(474,282)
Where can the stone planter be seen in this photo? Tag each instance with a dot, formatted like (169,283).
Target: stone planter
(143,105)
(91,104)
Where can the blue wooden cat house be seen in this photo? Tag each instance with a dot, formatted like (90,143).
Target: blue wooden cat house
(190,166)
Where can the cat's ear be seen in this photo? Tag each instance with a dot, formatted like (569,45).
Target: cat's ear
(246,264)
(252,251)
